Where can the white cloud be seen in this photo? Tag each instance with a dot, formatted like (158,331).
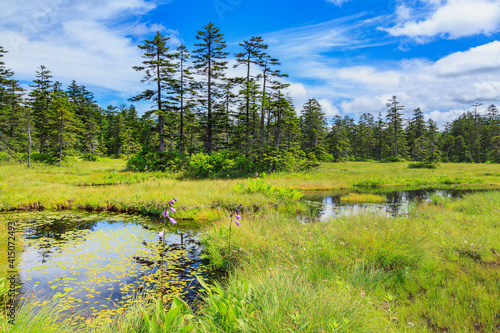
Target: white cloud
(328,108)
(454,82)
(337,2)
(453,19)
(82,41)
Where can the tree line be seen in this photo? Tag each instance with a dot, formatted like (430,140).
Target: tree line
(196,107)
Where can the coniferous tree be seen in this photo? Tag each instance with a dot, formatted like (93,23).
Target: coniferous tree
(251,55)
(415,130)
(62,122)
(40,104)
(87,113)
(158,70)
(395,123)
(209,61)
(184,87)
(269,76)
(313,123)
(12,113)
(338,144)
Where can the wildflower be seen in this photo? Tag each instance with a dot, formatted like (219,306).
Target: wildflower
(172,209)
(170,219)
(161,233)
(236,217)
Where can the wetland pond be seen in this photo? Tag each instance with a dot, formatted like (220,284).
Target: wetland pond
(327,205)
(98,265)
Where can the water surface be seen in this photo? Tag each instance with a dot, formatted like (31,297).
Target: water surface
(98,264)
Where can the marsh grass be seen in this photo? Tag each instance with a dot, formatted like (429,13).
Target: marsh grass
(434,271)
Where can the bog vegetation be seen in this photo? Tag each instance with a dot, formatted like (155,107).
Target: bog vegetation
(218,143)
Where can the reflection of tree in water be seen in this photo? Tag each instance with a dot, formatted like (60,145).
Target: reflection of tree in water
(53,231)
(176,259)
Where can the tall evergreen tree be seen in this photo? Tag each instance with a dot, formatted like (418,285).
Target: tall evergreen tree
(158,70)
(416,129)
(209,61)
(269,76)
(184,87)
(395,123)
(313,123)
(62,122)
(40,104)
(12,112)
(250,55)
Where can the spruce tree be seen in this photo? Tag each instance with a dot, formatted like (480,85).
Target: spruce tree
(395,123)
(250,55)
(313,123)
(209,61)
(40,104)
(158,70)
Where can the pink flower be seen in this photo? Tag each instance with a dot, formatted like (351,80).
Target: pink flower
(172,220)
(161,233)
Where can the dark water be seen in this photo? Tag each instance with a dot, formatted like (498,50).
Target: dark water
(328,205)
(95,265)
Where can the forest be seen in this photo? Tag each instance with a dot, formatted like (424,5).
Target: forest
(200,116)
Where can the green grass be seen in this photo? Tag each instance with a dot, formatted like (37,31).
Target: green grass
(437,270)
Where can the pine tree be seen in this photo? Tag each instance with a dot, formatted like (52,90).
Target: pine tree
(251,55)
(12,113)
(395,122)
(184,87)
(62,122)
(337,140)
(87,113)
(415,130)
(158,69)
(40,104)
(269,75)
(209,61)
(313,123)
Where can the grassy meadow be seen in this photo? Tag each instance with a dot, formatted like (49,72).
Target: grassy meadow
(436,270)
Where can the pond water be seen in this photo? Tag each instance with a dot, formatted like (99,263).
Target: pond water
(98,265)
(327,205)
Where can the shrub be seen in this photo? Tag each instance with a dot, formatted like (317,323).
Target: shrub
(89,157)
(4,157)
(422,165)
(155,161)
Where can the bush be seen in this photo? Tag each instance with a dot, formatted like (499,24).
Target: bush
(155,161)
(422,165)
(89,157)
(4,157)
(232,164)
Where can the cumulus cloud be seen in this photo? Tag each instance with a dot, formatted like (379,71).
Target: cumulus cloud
(452,19)
(454,82)
(93,42)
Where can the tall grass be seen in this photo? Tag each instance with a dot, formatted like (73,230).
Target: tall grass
(434,271)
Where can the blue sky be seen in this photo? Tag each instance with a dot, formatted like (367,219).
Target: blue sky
(351,55)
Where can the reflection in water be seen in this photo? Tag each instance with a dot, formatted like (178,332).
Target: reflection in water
(330,205)
(94,267)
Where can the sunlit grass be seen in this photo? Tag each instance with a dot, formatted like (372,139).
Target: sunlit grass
(353,198)
(436,270)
